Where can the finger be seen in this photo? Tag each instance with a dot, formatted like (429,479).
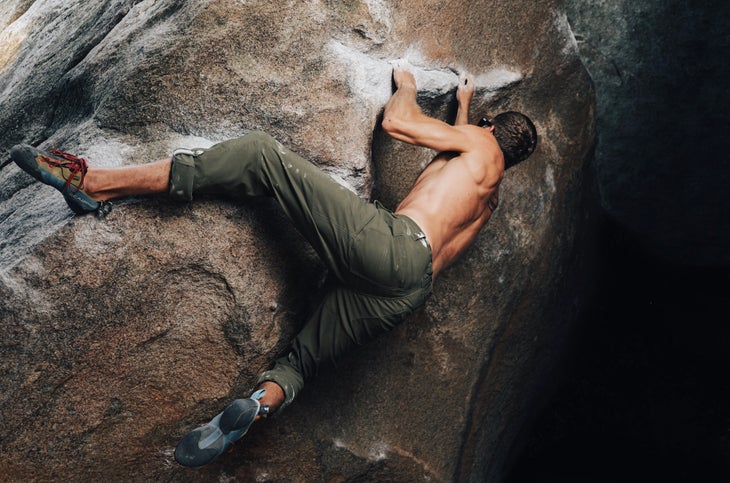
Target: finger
(401,64)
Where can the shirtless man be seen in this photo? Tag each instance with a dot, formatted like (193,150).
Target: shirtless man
(470,159)
(384,261)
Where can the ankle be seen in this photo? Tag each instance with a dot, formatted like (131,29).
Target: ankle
(274,396)
(91,184)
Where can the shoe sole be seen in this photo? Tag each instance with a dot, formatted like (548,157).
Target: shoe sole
(206,443)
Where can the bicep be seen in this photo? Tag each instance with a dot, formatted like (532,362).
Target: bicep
(421,130)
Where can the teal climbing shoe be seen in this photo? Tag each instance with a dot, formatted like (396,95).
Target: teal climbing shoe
(206,443)
(63,171)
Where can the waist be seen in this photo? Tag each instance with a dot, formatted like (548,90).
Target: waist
(392,253)
(415,230)
(418,225)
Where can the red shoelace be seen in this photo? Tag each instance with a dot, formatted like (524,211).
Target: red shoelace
(74,164)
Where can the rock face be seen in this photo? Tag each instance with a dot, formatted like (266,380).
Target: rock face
(120,334)
(661,70)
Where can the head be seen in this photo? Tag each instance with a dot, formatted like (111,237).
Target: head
(516,135)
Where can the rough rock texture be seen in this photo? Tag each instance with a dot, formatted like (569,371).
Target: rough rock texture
(661,70)
(118,335)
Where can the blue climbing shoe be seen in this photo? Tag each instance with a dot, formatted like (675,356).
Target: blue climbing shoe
(204,444)
(63,171)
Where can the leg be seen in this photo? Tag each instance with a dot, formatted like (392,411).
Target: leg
(363,245)
(346,319)
(85,187)
(326,213)
(110,183)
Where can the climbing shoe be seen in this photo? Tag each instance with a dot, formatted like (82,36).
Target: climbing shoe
(204,444)
(63,171)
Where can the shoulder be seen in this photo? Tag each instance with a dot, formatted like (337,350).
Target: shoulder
(482,142)
(484,156)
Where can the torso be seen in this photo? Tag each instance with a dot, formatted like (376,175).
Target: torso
(453,198)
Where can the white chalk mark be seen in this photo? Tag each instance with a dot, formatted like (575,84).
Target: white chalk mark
(370,76)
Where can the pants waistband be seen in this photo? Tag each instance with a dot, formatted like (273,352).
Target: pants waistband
(418,234)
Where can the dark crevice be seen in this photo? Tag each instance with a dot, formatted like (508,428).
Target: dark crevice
(103,33)
(72,94)
(647,396)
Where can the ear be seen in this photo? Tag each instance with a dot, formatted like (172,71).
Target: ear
(491,129)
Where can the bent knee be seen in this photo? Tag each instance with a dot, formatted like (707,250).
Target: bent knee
(262,141)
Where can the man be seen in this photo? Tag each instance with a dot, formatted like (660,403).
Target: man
(384,261)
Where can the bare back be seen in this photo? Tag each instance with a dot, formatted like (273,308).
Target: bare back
(454,197)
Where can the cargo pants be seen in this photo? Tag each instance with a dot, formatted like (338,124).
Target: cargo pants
(381,260)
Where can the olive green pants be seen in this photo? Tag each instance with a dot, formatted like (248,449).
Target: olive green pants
(381,260)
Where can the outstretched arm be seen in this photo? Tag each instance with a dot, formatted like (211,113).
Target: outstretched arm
(404,121)
(464,93)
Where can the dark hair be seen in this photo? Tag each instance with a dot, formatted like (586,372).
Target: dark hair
(516,135)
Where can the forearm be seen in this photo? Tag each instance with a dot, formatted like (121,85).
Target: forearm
(462,114)
(402,105)
(464,93)
(403,119)
(402,115)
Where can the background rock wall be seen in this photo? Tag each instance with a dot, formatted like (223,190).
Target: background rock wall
(120,334)
(646,397)
(661,71)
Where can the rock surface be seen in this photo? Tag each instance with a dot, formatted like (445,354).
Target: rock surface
(120,334)
(661,70)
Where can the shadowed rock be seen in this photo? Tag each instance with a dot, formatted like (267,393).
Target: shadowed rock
(661,163)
